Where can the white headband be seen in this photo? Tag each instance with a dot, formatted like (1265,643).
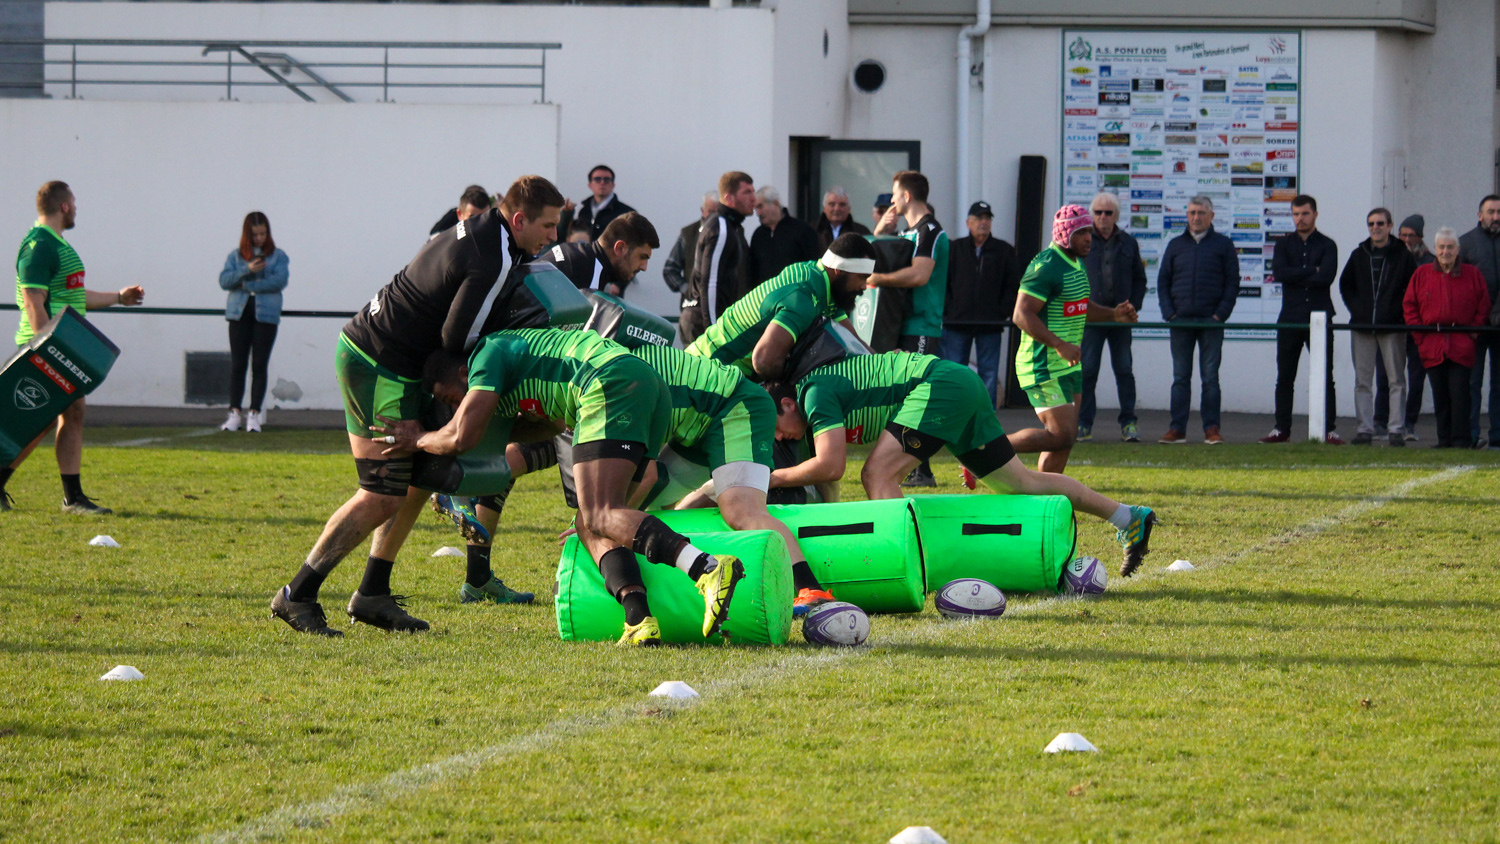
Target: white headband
(862,266)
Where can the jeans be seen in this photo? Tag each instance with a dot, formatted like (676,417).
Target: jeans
(1370,352)
(1484,343)
(1450,402)
(1120,361)
(1210,345)
(988,344)
(1416,378)
(1289,345)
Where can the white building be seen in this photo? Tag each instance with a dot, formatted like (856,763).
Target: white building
(1396,102)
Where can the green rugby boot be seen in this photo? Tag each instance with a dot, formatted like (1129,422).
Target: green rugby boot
(647,634)
(1136,538)
(460,511)
(717,587)
(495,592)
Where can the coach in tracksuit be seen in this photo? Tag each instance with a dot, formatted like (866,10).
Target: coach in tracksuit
(721,262)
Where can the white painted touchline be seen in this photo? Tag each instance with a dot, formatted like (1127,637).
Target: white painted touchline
(201,432)
(358,796)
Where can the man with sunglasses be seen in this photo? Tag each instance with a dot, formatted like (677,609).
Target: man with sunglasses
(601,208)
(1373,286)
(1116,274)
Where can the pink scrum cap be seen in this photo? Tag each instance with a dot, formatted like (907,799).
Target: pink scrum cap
(1069,219)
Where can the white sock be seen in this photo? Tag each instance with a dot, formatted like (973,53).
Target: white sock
(1121,518)
(689,555)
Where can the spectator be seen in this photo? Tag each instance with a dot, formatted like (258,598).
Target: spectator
(254,274)
(1451,293)
(474,200)
(49,278)
(882,205)
(983,280)
(835,219)
(1416,374)
(679,263)
(721,258)
(1198,280)
(1373,286)
(578,232)
(1305,264)
(781,240)
(1116,274)
(598,211)
(1480,247)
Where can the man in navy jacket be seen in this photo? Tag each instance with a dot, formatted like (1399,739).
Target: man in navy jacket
(1198,281)
(1305,263)
(1116,274)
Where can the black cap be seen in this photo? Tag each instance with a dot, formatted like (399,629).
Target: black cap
(981,209)
(883,200)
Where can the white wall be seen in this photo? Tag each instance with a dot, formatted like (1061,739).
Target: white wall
(163,189)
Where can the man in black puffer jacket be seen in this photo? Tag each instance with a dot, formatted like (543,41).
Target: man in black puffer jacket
(1373,285)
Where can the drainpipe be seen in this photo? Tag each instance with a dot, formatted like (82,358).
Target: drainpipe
(965,56)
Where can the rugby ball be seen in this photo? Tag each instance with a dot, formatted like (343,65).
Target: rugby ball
(1085,576)
(970,597)
(836,624)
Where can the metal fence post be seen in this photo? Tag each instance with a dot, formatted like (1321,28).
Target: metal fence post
(73,72)
(1318,362)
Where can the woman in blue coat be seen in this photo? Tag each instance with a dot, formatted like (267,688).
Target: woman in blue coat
(254,274)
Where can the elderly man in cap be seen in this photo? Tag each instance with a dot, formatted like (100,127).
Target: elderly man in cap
(982,283)
(1116,274)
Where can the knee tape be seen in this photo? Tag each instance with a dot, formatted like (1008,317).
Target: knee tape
(384,477)
(539,455)
(621,570)
(658,543)
(497,502)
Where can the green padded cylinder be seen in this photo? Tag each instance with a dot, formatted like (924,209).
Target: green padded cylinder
(1015,542)
(66,360)
(865,552)
(760,611)
(626,324)
(544,298)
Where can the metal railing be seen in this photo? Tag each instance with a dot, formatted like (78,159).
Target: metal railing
(369,65)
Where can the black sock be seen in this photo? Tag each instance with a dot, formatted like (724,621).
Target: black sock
(926,467)
(5,476)
(377,580)
(304,586)
(72,488)
(479,566)
(636,608)
(803,577)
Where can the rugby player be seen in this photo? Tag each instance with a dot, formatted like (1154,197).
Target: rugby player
(610,263)
(452,293)
(619,410)
(909,407)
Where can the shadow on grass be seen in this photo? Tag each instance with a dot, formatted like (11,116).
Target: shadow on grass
(1282,597)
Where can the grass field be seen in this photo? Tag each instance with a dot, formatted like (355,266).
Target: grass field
(1328,673)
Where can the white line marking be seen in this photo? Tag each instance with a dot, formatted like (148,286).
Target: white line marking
(202,432)
(395,786)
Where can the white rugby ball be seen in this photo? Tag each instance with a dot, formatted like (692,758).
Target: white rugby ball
(1085,576)
(970,597)
(837,624)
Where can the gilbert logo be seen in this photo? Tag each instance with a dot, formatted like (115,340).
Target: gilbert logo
(30,395)
(1077,308)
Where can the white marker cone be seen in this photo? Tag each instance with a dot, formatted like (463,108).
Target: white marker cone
(918,835)
(1181,565)
(102,541)
(449,551)
(1066,742)
(123,672)
(675,689)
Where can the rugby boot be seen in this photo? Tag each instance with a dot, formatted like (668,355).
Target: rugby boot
(384,611)
(302,616)
(6,502)
(82,506)
(807,599)
(1136,538)
(969,480)
(920,477)
(717,587)
(495,592)
(647,634)
(461,512)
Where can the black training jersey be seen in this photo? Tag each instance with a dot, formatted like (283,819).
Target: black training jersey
(585,264)
(452,293)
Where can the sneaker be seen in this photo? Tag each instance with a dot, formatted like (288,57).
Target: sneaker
(969,480)
(1333,438)
(1276,436)
(1361,438)
(1211,436)
(1481,443)
(1397,441)
(231,422)
(461,512)
(1135,538)
(302,616)
(1173,438)
(82,506)
(384,611)
(1130,433)
(252,422)
(495,591)
(717,588)
(1085,434)
(7,503)
(919,478)
(809,598)
(1409,437)
(647,634)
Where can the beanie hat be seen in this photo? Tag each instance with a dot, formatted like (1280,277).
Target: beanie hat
(1415,222)
(1069,219)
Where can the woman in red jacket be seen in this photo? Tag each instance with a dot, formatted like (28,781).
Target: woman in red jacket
(1449,294)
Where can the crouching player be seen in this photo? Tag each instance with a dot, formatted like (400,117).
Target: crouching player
(619,411)
(719,449)
(910,406)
